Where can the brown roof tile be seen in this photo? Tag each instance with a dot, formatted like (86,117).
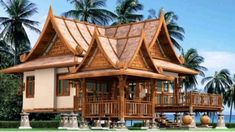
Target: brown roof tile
(45,62)
(122,31)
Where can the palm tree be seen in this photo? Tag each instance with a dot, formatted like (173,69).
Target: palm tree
(193,61)
(13,32)
(126,11)
(90,11)
(176,32)
(229,98)
(218,83)
(6,54)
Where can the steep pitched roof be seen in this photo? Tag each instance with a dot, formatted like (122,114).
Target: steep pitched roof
(119,44)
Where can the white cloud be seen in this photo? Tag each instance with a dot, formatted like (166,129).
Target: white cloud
(217,60)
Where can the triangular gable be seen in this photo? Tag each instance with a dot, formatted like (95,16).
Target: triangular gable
(50,29)
(144,57)
(162,47)
(141,58)
(139,62)
(96,57)
(57,48)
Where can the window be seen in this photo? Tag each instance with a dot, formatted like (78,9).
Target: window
(30,87)
(63,87)
(159,86)
(166,86)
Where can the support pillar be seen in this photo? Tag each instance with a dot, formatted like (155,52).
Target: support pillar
(121,87)
(24,122)
(84,125)
(221,122)
(193,123)
(177,119)
(73,122)
(64,124)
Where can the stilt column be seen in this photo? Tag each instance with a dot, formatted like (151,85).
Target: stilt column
(63,121)
(24,122)
(73,122)
(221,122)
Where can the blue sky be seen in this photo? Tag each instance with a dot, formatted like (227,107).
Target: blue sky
(209,26)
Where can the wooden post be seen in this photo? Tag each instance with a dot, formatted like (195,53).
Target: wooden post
(153,97)
(176,91)
(121,87)
(83,86)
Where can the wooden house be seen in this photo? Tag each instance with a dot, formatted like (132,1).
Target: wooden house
(124,72)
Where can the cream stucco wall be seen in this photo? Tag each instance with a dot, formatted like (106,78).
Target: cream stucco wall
(28,103)
(65,101)
(45,91)
(44,88)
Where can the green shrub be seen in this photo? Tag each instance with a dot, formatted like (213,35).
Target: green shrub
(9,124)
(34,124)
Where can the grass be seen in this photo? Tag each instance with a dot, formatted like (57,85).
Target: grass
(54,129)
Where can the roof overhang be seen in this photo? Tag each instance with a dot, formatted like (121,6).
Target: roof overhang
(43,63)
(172,67)
(113,72)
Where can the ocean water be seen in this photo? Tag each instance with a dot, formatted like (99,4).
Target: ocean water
(197,118)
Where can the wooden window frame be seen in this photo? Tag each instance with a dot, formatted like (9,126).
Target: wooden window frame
(27,87)
(63,91)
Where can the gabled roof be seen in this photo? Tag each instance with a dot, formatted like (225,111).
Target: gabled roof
(119,44)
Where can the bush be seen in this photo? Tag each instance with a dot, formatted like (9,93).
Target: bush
(9,124)
(34,124)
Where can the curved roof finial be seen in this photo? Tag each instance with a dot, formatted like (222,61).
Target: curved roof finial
(50,12)
(161,12)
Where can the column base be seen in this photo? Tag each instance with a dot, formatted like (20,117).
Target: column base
(24,122)
(121,125)
(221,122)
(73,123)
(193,123)
(63,121)
(25,127)
(84,126)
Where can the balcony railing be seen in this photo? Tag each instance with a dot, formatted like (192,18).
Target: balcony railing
(138,108)
(102,108)
(189,99)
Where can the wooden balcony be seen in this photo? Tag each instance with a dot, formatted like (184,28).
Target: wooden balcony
(138,109)
(199,102)
(100,107)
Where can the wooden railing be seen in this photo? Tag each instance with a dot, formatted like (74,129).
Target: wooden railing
(189,99)
(102,108)
(138,108)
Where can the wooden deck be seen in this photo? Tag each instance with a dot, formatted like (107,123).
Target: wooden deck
(198,101)
(137,109)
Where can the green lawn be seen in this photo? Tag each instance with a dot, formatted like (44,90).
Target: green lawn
(53,129)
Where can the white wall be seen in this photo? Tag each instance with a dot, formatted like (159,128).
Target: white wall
(44,88)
